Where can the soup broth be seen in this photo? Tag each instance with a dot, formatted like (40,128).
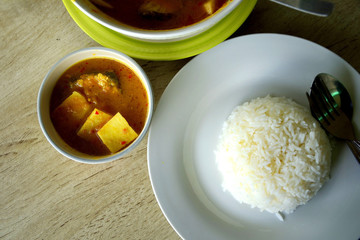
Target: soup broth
(159,14)
(105,85)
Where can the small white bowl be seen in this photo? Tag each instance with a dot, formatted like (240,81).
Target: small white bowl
(48,84)
(155,35)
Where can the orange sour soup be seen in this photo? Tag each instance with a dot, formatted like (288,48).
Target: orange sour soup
(123,93)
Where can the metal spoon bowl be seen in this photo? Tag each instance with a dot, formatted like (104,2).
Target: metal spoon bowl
(331,105)
(339,93)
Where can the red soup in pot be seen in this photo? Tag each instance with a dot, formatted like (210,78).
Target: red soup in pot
(159,14)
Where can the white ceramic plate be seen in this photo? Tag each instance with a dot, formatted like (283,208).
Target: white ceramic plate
(188,121)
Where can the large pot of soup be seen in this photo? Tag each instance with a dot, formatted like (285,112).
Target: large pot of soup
(158,20)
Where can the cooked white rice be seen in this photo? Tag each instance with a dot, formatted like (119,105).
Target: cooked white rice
(273,154)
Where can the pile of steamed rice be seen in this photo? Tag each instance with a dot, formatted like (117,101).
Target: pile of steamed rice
(273,154)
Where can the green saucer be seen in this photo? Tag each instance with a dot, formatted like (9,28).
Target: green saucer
(162,51)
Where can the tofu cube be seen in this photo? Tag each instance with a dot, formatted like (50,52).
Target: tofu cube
(93,123)
(117,133)
(71,113)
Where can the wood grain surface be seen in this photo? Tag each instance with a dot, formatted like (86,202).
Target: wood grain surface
(44,195)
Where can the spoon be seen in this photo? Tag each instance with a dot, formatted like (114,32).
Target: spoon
(331,105)
(314,7)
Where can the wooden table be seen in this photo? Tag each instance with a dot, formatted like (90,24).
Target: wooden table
(47,196)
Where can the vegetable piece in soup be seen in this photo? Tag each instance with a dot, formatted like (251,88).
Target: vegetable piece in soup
(95,121)
(117,133)
(160,9)
(70,114)
(90,93)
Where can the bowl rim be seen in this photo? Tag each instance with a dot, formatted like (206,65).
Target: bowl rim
(170,35)
(117,56)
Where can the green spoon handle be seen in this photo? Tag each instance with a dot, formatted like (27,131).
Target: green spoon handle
(354,145)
